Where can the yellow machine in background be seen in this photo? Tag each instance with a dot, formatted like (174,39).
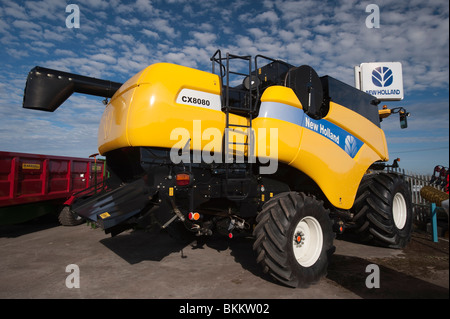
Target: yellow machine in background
(274,150)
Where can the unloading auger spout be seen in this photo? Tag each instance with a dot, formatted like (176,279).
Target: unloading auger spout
(47,89)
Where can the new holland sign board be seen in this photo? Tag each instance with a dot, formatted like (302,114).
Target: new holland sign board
(384,80)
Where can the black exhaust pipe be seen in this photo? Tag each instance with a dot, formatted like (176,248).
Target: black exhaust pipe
(47,89)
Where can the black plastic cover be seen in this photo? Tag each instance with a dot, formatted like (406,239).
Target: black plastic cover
(306,84)
(352,98)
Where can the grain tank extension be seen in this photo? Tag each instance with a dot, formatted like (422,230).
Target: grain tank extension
(274,150)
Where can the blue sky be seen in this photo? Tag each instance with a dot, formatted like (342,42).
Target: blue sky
(116,39)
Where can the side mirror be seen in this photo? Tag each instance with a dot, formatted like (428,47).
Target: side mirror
(403,119)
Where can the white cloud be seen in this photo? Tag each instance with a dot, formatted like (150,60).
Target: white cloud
(292,10)
(48,9)
(177,58)
(121,38)
(162,25)
(95,4)
(203,38)
(64,52)
(150,34)
(145,6)
(103,58)
(17,54)
(287,36)
(257,33)
(53,35)
(23,24)
(14,10)
(128,22)
(268,16)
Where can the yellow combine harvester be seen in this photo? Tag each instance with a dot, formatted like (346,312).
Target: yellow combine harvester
(275,150)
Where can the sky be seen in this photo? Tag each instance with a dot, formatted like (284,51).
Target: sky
(116,39)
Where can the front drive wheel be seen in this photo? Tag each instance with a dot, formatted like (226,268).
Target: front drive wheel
(294,239)
(383,210)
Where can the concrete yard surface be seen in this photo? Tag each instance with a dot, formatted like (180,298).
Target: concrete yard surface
(37,260)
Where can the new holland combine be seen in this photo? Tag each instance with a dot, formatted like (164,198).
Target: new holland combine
(275,150)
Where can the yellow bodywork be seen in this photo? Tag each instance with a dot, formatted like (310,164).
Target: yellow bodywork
(319,157)
(164,103)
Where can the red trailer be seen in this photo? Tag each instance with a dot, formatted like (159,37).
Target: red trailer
(32,184)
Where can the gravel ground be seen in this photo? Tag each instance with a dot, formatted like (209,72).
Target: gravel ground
(151,265)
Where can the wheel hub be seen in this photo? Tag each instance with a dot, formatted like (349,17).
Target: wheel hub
(299,239)
(307,241)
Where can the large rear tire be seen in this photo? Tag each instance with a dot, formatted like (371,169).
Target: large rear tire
(294,239)
(383,210)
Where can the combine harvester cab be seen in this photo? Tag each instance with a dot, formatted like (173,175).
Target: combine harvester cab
(275,149)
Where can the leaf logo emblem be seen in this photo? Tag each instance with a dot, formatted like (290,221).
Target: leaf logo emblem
(382,76)
(350,145)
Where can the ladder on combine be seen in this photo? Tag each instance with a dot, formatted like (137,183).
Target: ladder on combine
(238,154)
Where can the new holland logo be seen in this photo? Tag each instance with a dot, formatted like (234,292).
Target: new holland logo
(382,76)
(351,148)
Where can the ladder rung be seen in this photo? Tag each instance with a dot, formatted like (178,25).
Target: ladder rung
(238,73)
(249,109)
(239,125)
(237,143)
